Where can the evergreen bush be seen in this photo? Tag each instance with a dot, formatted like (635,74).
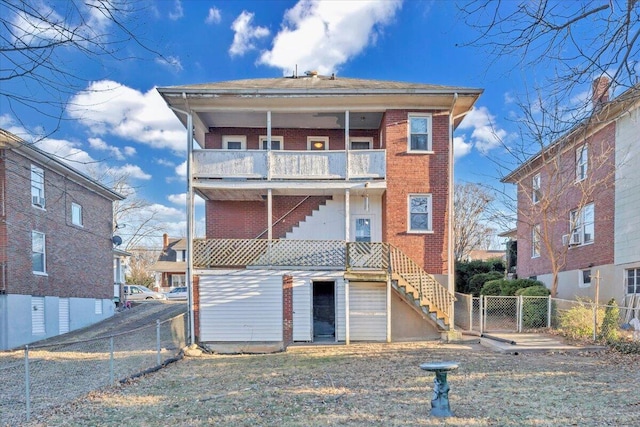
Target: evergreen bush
(477,281)
(534,310)
(609,329)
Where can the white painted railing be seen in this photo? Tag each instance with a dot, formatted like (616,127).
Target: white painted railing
(300,165)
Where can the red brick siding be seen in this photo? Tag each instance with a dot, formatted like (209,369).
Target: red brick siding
(248,219)
(599,190)
(287,310)
(79,260)
(294,139)
(416,173)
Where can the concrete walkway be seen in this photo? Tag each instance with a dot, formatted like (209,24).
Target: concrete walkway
(515,343)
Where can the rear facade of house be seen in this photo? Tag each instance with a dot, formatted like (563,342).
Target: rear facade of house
(56,253)
(327,203)
(589,184)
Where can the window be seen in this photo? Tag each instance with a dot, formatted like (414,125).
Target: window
(76,214)
(535,185)
(582,162)
(535,241)
(277,142)
(420,213)
(585,278)
(315,143)
(363,230)
(633,281)
(360,143)
(38,254)
(419,132)
(37,186)
(178,280)
(582,225)
(234,142)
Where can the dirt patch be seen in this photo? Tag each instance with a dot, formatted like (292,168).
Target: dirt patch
(370,385)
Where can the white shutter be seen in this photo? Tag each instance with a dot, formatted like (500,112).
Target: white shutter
(368,311)
(37,316)
(63,315)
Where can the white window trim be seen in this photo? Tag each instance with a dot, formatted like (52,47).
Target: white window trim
(44,254)
(280,139)
(232,138)
(636,273)
(356,217)
(536,182)
(368,139)
(579,151)
(429,130)
(579,225)
(581,282)
(535,231)
(430,212)
(79,206)
(41,203)
(324,139)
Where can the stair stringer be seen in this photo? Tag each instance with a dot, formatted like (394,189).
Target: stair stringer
(411,296)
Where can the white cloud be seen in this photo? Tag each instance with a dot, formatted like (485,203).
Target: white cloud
(214,16)
(171,62)
(460,147)
(181,199)
(245,34)
(321,36)
(99,144)
(129,151)
(181,170)
(70,153)
(165,162)
(110,108)
(130,171)
(509,98)
(177,12)
(485,135)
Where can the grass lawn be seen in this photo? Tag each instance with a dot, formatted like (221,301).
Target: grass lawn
(370,385)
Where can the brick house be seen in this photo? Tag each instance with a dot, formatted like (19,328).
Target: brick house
(170,268)
(579,199)
(327,205)
(56,252)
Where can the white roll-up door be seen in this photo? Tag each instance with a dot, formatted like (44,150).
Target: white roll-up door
(302,310)
(37,316)
(367,311)
(241,308)
(63,315)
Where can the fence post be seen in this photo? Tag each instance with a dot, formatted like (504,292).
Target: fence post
(111,366)
(471,313)
(158,340)
(519,310)
(549,311)
(482,313)
(27,384)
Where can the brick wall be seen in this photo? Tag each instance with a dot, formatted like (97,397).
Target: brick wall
(409,173)
(248,219)
(558,180)
(79,260)
(287,310)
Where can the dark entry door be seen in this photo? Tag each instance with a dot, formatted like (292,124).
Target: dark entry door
(324,311)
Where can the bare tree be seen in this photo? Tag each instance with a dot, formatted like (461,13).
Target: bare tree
(34,35)
(471,207)
(140,262)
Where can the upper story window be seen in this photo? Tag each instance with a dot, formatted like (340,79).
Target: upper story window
(234,142)
(582,225)
(76,214)
(317,143)
(37,186)
(277,142)
(633,281)
(536,194)
(419,132)
(38,252)
(420,213)
(360,143)
(535,241)
(582,162)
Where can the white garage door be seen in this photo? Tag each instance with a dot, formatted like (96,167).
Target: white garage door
(240,308)
(368,311)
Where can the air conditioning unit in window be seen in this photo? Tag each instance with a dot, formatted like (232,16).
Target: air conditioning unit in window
(565,239)
(37,201)
(576,239)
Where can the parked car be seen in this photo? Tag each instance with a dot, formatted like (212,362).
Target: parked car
(177,293)
(137,293)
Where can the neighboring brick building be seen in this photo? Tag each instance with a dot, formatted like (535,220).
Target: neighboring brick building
(56,252)
(337,187)
(579,199)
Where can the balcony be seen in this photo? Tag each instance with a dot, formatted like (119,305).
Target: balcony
(290,165)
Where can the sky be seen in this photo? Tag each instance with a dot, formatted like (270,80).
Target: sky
(115,122)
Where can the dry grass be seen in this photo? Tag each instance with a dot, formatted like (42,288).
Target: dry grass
(370,385)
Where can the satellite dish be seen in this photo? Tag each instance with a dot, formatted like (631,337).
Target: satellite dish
(117,240)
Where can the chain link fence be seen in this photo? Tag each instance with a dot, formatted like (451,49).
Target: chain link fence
(38,378)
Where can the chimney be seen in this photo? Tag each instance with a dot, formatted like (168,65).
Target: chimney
(165,240)
(600,92)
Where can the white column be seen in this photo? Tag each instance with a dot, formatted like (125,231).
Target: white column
(346,312)
(269,214)
(347,216)
(190,227)
(269,160)
(346,143)
(388,308)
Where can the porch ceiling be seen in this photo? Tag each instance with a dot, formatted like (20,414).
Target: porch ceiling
(307,120)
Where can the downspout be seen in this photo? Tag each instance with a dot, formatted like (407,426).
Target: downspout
(190,219)
(452,272)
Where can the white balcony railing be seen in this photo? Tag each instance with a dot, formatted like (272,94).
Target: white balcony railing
(330,164)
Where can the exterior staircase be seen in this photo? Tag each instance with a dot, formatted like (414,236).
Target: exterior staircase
(324,219)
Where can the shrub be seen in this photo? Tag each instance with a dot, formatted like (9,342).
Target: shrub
(577,322)
(492,287)
(626,347)
(510,287)
(477,281)
(465,270)
(534,310)
(609,328)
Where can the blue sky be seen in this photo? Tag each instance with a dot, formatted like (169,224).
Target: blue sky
(119,124)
